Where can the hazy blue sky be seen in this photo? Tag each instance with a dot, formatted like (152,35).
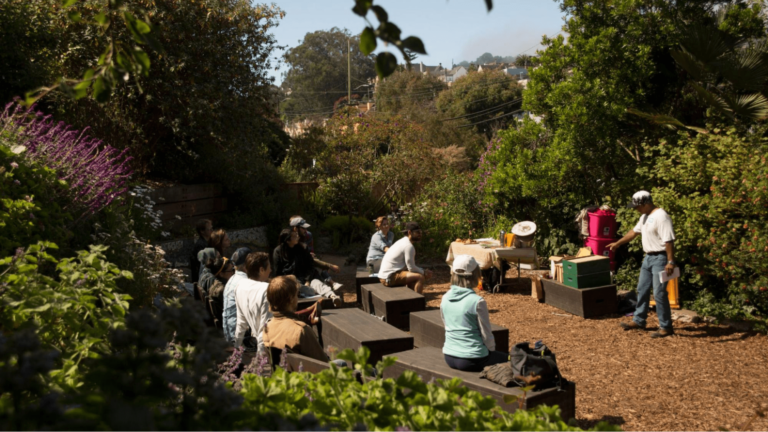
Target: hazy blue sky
(455,29)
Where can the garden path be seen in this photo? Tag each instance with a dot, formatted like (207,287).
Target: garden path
(705,377)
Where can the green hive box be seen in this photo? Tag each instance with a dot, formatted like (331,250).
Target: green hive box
(587,272)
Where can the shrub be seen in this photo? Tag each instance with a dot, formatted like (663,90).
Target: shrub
(715,187)
(339,401)
(73,313)
(30,202)
(347,229)
(95,173)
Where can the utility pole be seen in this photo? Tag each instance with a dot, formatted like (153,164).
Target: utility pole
(349,74)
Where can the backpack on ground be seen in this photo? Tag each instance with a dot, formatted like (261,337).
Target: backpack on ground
(535,366)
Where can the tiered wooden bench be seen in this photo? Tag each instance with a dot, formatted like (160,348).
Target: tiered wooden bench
(362,278)
(584,302)
(429,363)
(353,328)
(394,305)
(308,364)
(428,330)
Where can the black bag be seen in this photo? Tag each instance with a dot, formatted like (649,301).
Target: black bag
(535,366)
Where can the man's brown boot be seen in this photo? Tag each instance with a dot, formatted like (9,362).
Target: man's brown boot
(662,333)
(631,326)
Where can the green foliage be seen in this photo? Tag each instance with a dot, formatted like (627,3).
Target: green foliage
(317,72)
(484,100)
(714,186)
(73,313)
(403,89)
(448,208)
(30,202)
(347,229)
(339,401)
(369,162)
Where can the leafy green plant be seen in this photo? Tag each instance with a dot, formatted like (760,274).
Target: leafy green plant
(30,209)
(338,400)
(73,312)
(347,229)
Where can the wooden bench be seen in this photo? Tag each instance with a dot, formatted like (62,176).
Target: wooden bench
(353,328)
(366,296)
(396,304)
(427,329)
(429,363)
(304,303)
(362,277)
(584,302)
(308,364)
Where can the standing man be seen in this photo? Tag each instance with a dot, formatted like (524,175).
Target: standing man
(229,315)
(204,230)
(658,235)
(398,267)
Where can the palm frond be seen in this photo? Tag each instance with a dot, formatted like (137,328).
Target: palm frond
(753,106)
(713,99)
(665,120)
(746,69)
(689,63)
(705,43)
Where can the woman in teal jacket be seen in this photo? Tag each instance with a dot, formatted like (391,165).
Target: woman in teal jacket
(469,343)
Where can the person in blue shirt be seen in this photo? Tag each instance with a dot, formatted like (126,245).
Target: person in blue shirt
(380,243)
(469,342)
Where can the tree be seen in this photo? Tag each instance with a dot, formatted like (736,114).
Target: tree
(317,74)
(483,101)
(485,58)
(413,96)
(525,60)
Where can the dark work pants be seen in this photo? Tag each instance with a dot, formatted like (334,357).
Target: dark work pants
(476,364)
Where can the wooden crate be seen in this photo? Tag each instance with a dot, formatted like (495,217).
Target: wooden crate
(586,265)
(427,329)
(588,280)
(396,304)
(362,278)
(585,302)
(353,328)
(429,363)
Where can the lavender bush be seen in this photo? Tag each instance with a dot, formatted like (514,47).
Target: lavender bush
(95,173)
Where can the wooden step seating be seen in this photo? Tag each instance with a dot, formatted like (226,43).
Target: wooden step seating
(429,363)
(352,328)
(394,305)
(428,330)
(308,364)
(304,303)
(362,277)
(584,302)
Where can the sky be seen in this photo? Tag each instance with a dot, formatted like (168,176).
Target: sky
(452,30)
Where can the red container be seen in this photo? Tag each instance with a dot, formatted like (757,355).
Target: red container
(602,224)
(598,246)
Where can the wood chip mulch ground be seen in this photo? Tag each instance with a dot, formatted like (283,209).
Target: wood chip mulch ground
(705,377)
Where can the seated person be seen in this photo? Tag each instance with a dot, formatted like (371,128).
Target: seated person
(299,225)
(229,316)
(204,230)
(206,258)
(220,241)
(251,300)
(292,258)
(286,330)
(469,343)
(398,267)
(380,243)
(222,270)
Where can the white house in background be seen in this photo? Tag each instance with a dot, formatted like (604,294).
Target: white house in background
(519,73)
(493,66)
(448,76)
(424,69)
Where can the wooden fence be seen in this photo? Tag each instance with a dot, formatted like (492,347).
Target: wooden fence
(186,204)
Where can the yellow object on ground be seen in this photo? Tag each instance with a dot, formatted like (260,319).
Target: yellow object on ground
(673,292)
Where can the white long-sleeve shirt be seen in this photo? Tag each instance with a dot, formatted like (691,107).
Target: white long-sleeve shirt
(483,318)
(400,256)
(252,311)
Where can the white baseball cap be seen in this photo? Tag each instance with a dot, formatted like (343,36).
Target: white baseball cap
(464,264)
(640,198)
(299,221)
